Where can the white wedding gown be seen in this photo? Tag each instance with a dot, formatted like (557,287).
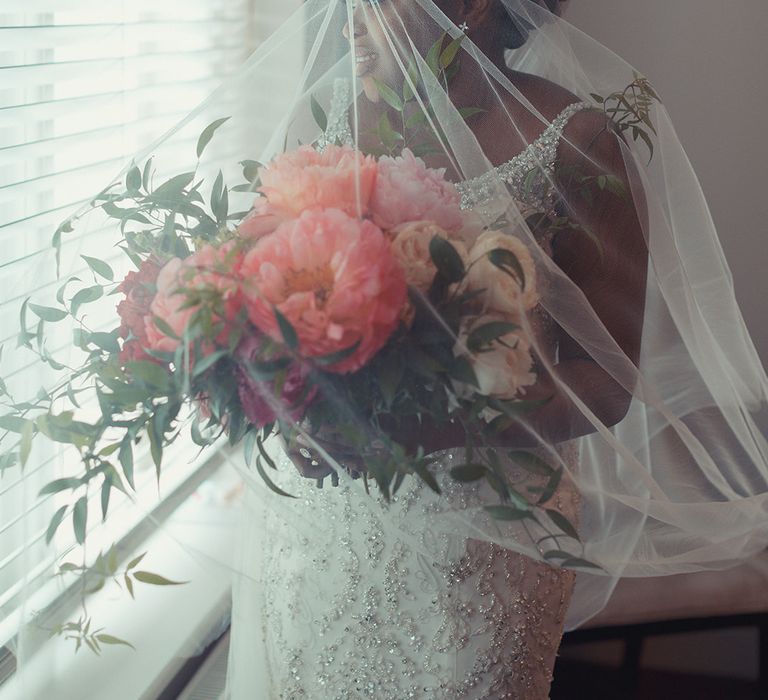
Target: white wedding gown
(340,603)
(341,597)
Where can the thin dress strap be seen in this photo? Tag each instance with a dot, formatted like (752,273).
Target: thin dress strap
(529,174)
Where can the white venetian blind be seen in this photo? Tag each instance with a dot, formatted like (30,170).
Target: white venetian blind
(84,84)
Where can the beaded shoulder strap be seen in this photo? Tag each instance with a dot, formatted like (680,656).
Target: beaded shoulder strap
(528,174)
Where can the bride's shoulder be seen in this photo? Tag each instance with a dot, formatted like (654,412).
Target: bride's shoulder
(586,130)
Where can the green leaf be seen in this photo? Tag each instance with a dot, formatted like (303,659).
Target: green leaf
(448,56)
(433,56)
(109,639)
(389,95)
(207,135)
(557,554)
(417,118)
(321,119)
(208,362)
(133,180)
(129,584)
(105,341)
(172,188)
(389,137)
(135,562)
(563,523)
(58,485)
(469,472)
(86,296)
(507,261)
(146,175)
(574,562)
(156,579)
(271,484)
(411,82)
(25,446)
(467,112)
(551,487)
(99,267)
(531,463)
(335,357)
(80,519)
(447,260)
(106,492)
(56,520)
(12,423)
(155,432)
(487,333)
(48,313)
(290,338)
(508,513)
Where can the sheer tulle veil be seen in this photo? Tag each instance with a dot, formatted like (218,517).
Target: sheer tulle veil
(666,448)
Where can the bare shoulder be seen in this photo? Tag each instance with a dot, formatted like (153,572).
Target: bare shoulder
(589,130)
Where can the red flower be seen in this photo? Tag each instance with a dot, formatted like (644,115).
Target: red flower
(139,288)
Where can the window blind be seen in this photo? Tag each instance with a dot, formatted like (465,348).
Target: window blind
(83,85)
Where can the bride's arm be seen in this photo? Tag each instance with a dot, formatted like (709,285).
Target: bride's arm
(614,286)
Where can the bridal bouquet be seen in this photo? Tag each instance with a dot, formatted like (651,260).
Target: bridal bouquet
(348,299)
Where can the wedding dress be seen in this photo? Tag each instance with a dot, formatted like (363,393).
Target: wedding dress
(347,608)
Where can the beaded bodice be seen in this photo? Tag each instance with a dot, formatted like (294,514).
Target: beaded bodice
(529,175)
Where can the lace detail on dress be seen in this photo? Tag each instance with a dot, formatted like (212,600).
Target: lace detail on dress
(375,603)
(528,175)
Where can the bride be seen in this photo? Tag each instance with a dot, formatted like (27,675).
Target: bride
(644,441)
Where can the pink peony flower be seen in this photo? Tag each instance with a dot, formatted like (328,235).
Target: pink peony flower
(338,178)
(139,290)
(406,190)
(259,400)
(210,274)
(334,279)
(260,221)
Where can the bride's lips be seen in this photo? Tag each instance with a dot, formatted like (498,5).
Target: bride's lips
(364,59)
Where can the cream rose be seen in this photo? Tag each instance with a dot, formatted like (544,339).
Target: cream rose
(503,291)
(503,370)
(410,247)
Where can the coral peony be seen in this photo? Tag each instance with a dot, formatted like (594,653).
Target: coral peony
(410,246)
(502,371)
(260,401)
(260,221)
(339,177)
(139,290)
(209,277)
(406,190)
(502,291)
(333,277)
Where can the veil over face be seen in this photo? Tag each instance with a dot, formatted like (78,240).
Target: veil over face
(463,227)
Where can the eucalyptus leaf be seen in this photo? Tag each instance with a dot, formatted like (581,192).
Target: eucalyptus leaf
(80,519)
(207,134)
(563,523)
(319,115)
(56,520)
(48,313)
(86,296)
(389,95)
(99,267)
(270,484)
(155,579)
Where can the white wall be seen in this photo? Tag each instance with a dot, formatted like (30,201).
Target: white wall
(708,60)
